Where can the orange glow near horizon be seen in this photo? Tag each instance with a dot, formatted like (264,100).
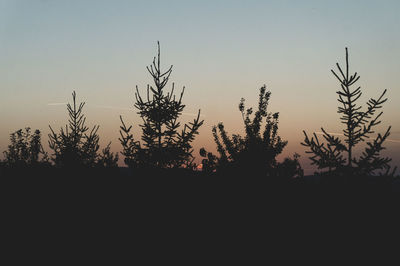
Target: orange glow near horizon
(225,51)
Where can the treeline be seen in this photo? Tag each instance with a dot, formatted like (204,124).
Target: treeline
(165,145)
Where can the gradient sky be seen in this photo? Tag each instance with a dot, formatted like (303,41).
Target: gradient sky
(221,51)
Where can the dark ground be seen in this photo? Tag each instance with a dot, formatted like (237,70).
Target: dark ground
(188,213)
(120,187)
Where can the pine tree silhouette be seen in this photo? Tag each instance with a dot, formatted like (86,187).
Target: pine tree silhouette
(359,127)
(76,146)
(25,149)
(164,146)
(256,151)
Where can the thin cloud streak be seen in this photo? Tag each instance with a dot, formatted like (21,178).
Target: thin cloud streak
(119,108)
(55,104)
(129,109)
(340,134)
(330,133)
(112,107)
(393,140)
(193,114)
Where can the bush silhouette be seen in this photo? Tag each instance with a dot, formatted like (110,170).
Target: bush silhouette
(256,152)
(107,159)
(25,149)
(164,146)
(337,155)
(76,146)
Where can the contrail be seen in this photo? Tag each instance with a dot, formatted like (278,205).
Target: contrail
(94,105)
(111,107)
(340,134)
(120,108)
(57,103)
(330,133)
(129,109)
(193,114)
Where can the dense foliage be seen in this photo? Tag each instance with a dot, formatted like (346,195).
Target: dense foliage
(25,149)
(257,150)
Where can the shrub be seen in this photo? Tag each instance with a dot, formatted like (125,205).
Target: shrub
(25,149)
(256,152)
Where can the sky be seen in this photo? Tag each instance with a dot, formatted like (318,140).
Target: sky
(221,51)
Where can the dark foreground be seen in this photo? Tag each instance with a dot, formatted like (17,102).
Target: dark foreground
(189,213)
(127,188)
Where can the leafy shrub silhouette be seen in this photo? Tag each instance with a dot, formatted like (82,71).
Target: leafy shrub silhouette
(25,149)
(163,145)
(107,159)
(256,151)
(76,146)
(289,168)
(359,127)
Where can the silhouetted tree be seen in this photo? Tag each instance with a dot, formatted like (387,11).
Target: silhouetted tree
(25,149)
(164,146)
(359,127)
(255,152)
(107,159)
(76,146)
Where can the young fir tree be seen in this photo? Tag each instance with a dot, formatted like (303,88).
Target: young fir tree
(25,149)
(76,146)
(164,144)
(256,152)
(338,156)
